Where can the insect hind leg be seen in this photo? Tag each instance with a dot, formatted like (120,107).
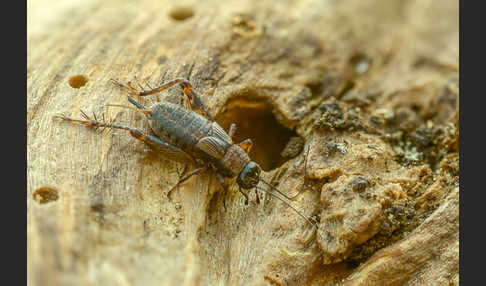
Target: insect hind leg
(168,150)
(192,97)
(94,123)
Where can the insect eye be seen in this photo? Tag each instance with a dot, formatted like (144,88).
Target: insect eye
(255,171)
(249,175)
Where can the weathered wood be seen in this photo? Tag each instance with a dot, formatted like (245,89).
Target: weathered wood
(371,86)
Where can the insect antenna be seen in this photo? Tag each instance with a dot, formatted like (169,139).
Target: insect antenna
(288,204)
(275,189)
(305,185)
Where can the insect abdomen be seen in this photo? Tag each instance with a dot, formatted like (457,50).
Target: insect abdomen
(181,126)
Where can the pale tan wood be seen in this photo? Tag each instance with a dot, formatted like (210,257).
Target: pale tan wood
(108,221)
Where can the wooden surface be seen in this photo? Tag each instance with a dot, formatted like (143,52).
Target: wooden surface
(371,86)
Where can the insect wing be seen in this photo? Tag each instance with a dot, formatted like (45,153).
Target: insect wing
(170,151)
(218,132)
(212,146)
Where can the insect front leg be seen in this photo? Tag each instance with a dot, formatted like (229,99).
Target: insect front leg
(257,196)
(245,144)
(244,194)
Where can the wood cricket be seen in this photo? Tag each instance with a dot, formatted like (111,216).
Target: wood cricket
(190,135)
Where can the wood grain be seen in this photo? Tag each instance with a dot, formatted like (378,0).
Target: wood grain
(96,203)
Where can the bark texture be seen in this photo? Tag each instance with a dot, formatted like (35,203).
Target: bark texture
(371,87)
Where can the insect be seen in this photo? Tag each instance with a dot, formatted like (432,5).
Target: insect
(190,135)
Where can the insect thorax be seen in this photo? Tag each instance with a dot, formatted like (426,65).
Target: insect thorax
(234,161)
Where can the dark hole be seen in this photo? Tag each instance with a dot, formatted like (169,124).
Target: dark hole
(352,264)
(254,119)
(415,107)
(181,13)
(77,81)
(45,194)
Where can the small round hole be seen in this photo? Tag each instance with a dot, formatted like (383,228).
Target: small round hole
(77,81)
(45,194)
(181,13)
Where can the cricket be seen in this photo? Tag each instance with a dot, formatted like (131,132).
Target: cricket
(189,134)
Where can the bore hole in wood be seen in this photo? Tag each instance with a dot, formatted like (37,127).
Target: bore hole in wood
(45,194)
(77,81)
(181,13)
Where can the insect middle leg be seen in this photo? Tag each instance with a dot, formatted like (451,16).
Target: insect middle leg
(185,178)
(245,144)
(225,187)
(232,130)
